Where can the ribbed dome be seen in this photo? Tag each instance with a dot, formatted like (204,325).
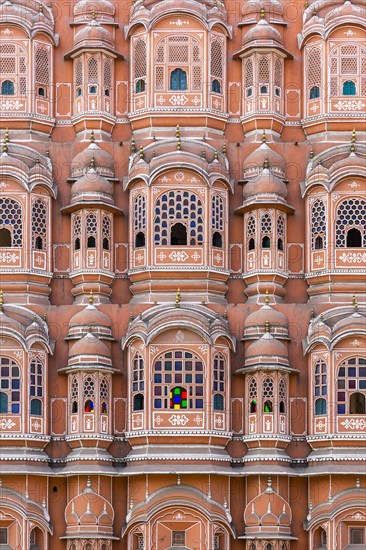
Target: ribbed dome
(262,32)
(87,8)
(93,34)
(354,319)
(90,316)
(92,184)
(89,345)
(103,161)
(89,512)
(265,183)
(254,162)
(268,509)
(266,347)
(266,314)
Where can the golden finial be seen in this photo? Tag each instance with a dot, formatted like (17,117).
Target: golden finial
(306,5)
(312,314)
(179,144)
(92,137)
(266,299)
(45,316)
(264,139)
(140,314)
(155,301)
(322,317)
(267,326)
(262,13)
(177,298)
(6,137)
(216,155)
(1,300)
(141,154)
(311,154)
(91,298)
(203,154)
(131,316)
(266,164)
(35,317)
(48,153)
(355,304)
(41,8)
(177,132)
(203,301)
(37,160)
(5,148)
(225,314)
(133,146)
(314,12)
(353,140)
(224,149)
(92,162)
(94,16)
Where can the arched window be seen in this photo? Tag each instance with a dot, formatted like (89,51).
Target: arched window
(106,232)
(74,395)
(351,382)
(89,394)
(251,244)
(77,243)
(3,403)
(178,234)
(138,382)
(36,407)
(280,232)
(278,76)
(171,370)
(42,68)
(93,89)
(107,76)
(320,406)
(140,65)
(348,69)
(251,233)
(267,394)
(269,546)
(93,72)
(351,213)
(264,89)
(39,224)
(10,384)
(266,230)
(104,395)
(5,238)
(216,86)
(181,207)
(354,238)
(253,396)
(279,244)
(11,218)
(178,79)
(282,396)
(349,88)
(216,65)
(78,76)
(314,92)
(140,86)
(91,229)
(7,87)
(218,386)
(318,225)
(217,240)
(140,240)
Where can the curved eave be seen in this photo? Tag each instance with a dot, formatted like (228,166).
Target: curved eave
(90,48)
(262,46)
(30,28)
(256,202)
(91,204)
(261,367)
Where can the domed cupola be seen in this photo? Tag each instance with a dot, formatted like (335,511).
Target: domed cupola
(253,163)
(93,154)
(252,10)
(266,187)
(255,323)
(92,35)
(268,516)
(90,319)
(85,11)
(89,352)
(263,34)
(267,352)
(92,188)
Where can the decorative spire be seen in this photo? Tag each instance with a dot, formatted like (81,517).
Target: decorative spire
(224,149)
(177,298)
(133,146)
(179,144)
(5,147)
(266,299)
(45,316)
(203,301)
(311,154)
(216,155)
(6,137)
(266,164)
(92,137)
(92,163)
(264,139)
(355,304)
(155,301)
(41,8)
(267,326)
(91,298)
(262,13)
(1,300)
(203,155)
(353,141)
(141,154)
(94,16)
(37,160)
(177,131)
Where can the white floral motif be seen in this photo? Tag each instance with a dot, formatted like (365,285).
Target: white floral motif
(3,185)
(179,176)
(179,337)
(353,257)
(179,22)
(9,257)
(178,100)
(354,185)
(356,343)
(358,516)
(354,424)
(161,256)
(179,516)
(198,420)
(154,349)
(7,31)
(178,420)
(203,349)
(178,256)
(350,33)
(350,105)
(6,424)
(158,420)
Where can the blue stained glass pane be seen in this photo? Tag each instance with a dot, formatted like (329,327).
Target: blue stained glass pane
(199,378)
(176,398)
(157,403)
(188,378)
(199,390)
(341,409)
(157,390)
(15,384)
(32,391)
(362,384)
(15,408)
(178,365)
(157,378)
(362,372)
(324,390)
(352,371)
(168,378)
(317,391)
(199,403)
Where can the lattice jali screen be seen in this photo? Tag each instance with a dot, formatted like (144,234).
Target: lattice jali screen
(217,213)
(314,68)
(266,224)
(140,59)
(318,223)
(348,63)
(350,213)
(249,74)
(39,222)
(13,64)
(78,72)
(217,60)
(42,65)
(106,228)
(278,73)
(107,74)
(88,387)
(11,218)
(91,225)
(282,391)
(251,227)
(280,226)
(263,70)
(139,210)
(268,388)
(93,70)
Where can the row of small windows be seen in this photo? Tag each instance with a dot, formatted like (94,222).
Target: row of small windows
(10,386)
(8,88)
(348,88)
(87,393)
(178,81)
